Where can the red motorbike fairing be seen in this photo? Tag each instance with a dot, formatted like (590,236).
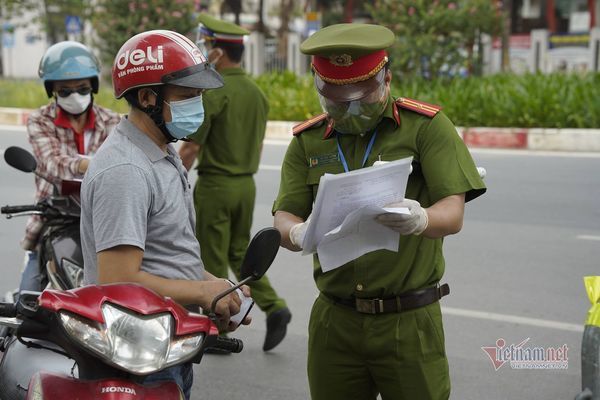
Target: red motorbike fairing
(54,387)
(87,302)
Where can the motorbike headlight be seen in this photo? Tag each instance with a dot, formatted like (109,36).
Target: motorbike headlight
(136,343)
(183,348)
(86,332)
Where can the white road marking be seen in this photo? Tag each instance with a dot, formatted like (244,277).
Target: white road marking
(514,319)
(588,237)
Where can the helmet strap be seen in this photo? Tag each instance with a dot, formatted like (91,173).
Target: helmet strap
(155,112)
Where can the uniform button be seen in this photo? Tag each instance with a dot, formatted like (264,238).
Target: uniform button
(359,287)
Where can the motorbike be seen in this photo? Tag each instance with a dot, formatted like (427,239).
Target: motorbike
(59,255)
(101,341)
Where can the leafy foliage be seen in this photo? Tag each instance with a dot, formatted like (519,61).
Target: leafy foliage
(291,97)
(436,38)
(528,101)
(115,21)
(505,100)
(31,94)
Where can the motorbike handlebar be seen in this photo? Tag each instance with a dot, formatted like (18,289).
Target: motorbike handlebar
(230,344)
(8,310)
(20,209)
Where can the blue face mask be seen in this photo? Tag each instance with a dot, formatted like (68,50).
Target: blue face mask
(186,117)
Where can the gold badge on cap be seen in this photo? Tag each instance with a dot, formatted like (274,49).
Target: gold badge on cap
(341,60)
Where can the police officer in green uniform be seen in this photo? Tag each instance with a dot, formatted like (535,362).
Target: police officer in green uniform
(376,326)
(228,147)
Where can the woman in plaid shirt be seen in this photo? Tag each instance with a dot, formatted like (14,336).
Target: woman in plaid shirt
(64,133)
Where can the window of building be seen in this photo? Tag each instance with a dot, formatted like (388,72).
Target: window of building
(572,15)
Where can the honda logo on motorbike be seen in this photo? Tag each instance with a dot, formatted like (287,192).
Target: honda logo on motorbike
(118,389)
(153,58)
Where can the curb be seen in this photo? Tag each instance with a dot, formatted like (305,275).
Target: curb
(14,116)
(575,140)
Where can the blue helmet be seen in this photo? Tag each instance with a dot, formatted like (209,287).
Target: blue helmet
(68,60)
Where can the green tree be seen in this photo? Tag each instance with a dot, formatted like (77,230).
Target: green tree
(436,37)
(115,21)
(50,15)
(480,17)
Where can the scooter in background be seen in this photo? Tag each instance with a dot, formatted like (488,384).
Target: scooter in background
(59,255)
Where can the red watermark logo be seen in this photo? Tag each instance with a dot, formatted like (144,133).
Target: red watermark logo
(519,356)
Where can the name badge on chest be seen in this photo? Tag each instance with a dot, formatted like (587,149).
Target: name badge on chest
(323,159)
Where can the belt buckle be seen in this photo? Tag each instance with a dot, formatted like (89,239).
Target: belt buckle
(369,306)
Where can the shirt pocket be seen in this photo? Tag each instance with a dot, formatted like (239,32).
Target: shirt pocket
(416,180)
(315,174)
(394,155)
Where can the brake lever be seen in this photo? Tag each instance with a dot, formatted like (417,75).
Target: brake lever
(23,214)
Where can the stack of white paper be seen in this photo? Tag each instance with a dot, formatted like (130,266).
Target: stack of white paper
(343,225)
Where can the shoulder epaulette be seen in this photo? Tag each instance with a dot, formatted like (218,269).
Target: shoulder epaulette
(417,106)
(301,127)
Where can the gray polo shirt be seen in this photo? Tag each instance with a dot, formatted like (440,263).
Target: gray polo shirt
(135,194)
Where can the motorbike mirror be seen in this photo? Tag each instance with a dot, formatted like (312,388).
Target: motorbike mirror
(20,159)
(260,254)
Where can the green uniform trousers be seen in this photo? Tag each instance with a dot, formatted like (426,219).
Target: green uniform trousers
(354,356)
(224,207)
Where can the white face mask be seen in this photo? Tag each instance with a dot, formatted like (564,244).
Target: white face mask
(74,103)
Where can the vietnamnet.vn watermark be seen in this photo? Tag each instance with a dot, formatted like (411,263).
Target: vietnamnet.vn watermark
(520,356)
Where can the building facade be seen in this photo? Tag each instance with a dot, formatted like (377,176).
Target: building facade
(550,36)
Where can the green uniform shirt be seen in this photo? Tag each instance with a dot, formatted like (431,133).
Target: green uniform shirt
(442,167)
(234,126)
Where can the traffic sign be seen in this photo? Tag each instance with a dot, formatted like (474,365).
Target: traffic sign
(73,24)
(8,40)
(8,35)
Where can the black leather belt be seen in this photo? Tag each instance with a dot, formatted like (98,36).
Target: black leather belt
(396,304)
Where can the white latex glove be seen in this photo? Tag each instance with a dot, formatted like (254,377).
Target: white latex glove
(406,224)
(297,233)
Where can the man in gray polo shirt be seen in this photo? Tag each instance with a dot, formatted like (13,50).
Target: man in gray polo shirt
(137,217)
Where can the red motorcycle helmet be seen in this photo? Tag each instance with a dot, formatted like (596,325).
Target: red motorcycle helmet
(161,57)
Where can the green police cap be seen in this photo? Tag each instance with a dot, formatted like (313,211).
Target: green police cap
(219,30)
(348,59)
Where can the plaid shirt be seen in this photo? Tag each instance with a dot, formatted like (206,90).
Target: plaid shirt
(55,150)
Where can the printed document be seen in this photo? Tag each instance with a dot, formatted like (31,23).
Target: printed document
(343,225)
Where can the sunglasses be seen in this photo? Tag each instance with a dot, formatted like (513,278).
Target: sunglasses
(67,92)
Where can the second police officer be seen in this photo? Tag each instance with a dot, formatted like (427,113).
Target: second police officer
(228,147)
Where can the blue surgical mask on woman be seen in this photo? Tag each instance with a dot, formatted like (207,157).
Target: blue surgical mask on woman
(186,116)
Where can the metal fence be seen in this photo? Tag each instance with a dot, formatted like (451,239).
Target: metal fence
(274,60)
(264,55)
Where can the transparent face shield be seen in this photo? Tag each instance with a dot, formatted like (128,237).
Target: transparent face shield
(204,44)
(357,116)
